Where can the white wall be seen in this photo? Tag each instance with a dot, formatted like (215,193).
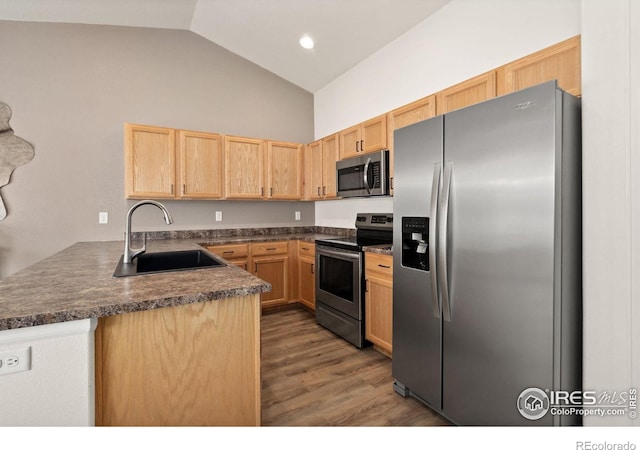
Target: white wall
(611,193)
(463,39)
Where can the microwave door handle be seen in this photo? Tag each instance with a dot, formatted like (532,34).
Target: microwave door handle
(433,224)
(366,175)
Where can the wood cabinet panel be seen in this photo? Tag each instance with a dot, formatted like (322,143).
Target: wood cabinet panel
(306,274)
(558,62)
(150,161)
(244,167)
(313,161)
(367,136)
(379,301)
(350,141)
(330,154)
(469,92)
(284,170)
(269,248)
(273,270)
(201,163)
(175,366)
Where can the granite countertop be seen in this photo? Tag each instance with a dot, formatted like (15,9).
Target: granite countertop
(384,249)
(78,283)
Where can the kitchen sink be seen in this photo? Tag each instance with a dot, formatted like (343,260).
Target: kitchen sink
(166,262)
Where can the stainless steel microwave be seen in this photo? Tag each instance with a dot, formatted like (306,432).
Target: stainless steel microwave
(363,176)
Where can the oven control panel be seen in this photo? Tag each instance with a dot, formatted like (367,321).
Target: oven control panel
(371,220)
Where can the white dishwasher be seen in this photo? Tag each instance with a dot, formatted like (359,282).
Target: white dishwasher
(47,375)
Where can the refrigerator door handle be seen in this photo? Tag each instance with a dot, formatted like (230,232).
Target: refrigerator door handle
(435,188)
(443,215)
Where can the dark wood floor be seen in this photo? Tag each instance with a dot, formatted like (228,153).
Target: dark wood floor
(310,377)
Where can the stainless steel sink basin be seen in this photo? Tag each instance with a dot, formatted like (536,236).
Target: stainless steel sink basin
(166,262)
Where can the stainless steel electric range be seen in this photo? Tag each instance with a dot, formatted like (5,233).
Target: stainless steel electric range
(340,276)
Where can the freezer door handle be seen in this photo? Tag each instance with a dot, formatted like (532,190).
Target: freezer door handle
(435,187)
(443,215)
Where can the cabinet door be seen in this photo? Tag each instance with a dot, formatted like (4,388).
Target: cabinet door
(150,162)
(415,112)
(559,62)
(470,92)
(244,167)
(313,171)
(374,134)
(330,150)
(307,286)
(273,269)
(284,171)
(350,142)
(379,312)
(200,157)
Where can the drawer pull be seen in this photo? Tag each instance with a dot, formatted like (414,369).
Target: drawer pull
(313,268)
(228,252)
(305,248)
(271,249)
(384,267)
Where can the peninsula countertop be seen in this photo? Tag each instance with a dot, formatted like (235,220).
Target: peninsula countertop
(78,283)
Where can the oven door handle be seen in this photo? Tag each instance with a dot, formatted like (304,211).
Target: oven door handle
(338,254)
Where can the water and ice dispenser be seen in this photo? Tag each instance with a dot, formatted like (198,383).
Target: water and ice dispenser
(415,242)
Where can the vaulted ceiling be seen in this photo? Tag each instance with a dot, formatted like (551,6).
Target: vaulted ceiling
(265,32)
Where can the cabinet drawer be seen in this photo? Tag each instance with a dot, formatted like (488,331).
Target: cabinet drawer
(230,251)
(269,248)
(380,264)
(306,248)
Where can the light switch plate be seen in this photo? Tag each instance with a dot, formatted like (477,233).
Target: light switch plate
(103,218)
(297,215)
(218,216)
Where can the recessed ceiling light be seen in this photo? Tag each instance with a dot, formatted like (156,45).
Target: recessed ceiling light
(306,42)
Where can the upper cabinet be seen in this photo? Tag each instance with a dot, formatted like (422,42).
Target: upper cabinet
(414,112)
(320,168)
(365,137)
(245,167)
(469,92)
(200,158)
(167,163)
(559,62)
(284,170)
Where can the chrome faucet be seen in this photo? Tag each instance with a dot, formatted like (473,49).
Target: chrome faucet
(130,253)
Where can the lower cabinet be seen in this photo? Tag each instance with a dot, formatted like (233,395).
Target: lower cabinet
(307,274)
(191,365)
(379,301)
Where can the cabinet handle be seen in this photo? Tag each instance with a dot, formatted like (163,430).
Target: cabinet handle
(262,191)
(366,285)
(384,267)
(172,189)
(313,268)
(271,192)
(184,189)
(305,248)
(357,145)
(324,190)
(361,145)
(228,252)
(255,265)
(319,191)
(271,249)
(391,182)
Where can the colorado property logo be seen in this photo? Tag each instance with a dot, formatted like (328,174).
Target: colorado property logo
(533,403)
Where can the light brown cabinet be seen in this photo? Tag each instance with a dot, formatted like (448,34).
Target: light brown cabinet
(284,171)
(306,274)
(558,62)
(469,92)
(149,161)
(167,163)
(406,115)
(173,366)
(320,168)
(237,254)
(367,136)
(200,158)
(270,261)
(244,167)
(379,301)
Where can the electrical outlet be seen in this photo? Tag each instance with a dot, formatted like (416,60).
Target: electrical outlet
(103,218)
(297,215)
(218,216)
(14,361)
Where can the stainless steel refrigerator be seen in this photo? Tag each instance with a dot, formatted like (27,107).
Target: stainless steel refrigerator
(487,257)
